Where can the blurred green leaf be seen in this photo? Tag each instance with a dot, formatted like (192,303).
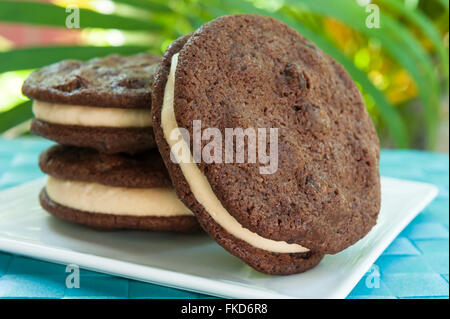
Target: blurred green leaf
(426,26)
(31,58)
(52,15)
(152,6)
(444,3)
(15,116)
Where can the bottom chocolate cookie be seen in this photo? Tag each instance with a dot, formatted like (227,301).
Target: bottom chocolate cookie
(106,222)
(267,262)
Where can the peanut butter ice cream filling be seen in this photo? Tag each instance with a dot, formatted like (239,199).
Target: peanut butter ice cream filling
(98,198)
(80,115)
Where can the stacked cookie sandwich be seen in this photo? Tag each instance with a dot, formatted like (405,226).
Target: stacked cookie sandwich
(302,183)
(105,173)
(249,73)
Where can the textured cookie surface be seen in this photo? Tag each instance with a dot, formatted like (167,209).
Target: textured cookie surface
(106,222)
(113,81)
(255,72)
(145,170)
(110,140)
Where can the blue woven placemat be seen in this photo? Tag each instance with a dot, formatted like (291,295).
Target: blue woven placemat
(414,266)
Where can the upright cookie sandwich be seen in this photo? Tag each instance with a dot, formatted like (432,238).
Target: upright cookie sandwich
(110,192)
(104,103)
(319,190)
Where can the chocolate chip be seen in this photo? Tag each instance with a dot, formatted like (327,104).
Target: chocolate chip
(133,83)
(293,80)
(71,84)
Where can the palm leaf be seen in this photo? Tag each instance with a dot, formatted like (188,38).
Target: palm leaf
(153,6)
(30,58)
(426,26)
(51,15)
(444,3)
(15,116)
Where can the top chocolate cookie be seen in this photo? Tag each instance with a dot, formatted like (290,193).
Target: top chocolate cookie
(112,81)
(249,71)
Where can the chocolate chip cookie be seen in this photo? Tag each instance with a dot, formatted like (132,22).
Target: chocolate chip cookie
(248,72)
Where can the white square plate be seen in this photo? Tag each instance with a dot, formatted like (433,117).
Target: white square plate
(195,262)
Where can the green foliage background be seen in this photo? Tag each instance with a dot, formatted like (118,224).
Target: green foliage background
(412,38)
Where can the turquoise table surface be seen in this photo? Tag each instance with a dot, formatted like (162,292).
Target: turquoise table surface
(415,265)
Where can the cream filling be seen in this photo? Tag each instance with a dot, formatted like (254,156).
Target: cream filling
(97,198)
(199,184)
(79,115)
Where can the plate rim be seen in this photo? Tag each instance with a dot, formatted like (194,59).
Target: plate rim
(173,279)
